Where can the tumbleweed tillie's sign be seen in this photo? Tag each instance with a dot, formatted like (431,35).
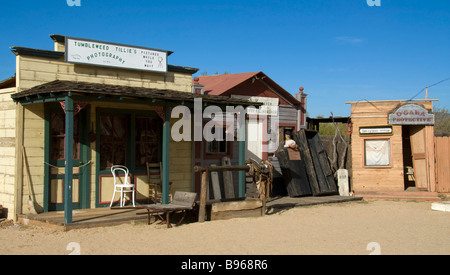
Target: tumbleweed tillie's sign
(98,53)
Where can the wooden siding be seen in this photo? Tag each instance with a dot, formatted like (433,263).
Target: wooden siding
(287,115)
(371,178)
(442,149)
(33,71)
(7,150)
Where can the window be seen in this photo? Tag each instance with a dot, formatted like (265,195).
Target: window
(113,140)
(377,152)
(148,131)
(218,147)
(58,136)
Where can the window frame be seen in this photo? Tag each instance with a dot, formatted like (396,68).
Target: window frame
(364,152)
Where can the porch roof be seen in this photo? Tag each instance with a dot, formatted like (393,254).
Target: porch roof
(55,90)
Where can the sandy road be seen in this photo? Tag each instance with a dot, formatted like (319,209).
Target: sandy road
(361,228)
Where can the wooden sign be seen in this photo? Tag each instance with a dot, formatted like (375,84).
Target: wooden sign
(294,154)
(411,114)
(370,131)
(99,53)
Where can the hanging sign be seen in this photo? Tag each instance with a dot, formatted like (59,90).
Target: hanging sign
(411,114)
(269,107)
(97,53)
(366,131)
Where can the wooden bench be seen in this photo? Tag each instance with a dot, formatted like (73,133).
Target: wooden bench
(182,202)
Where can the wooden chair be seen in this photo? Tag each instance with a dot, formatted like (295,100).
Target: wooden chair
(154,174)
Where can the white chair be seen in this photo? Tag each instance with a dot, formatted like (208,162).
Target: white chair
(124,187)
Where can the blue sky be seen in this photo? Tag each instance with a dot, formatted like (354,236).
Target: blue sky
(339,50)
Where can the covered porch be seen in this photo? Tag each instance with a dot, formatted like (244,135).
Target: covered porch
(100,217)
(81,169)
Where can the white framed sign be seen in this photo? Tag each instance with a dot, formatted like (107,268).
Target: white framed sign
(376,130)
(269,107)
(98,53)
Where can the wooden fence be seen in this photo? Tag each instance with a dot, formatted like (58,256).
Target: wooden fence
(442,147)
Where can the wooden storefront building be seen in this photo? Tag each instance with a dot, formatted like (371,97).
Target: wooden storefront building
(393,152)
(280,110)
(66,119)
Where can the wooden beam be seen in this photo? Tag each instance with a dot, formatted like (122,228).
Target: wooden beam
(199,169)
(68,176)
(242,149)
(18,179)
(165,157)
(203,192)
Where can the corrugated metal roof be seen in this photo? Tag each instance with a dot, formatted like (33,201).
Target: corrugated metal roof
(219,84)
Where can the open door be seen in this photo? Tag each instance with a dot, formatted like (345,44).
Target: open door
(419,154)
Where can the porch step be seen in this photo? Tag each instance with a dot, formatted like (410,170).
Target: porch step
(85,218)
(399,195)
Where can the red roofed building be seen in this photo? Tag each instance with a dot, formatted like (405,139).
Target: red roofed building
(256,86)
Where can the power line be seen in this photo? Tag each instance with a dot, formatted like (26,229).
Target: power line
(429,87)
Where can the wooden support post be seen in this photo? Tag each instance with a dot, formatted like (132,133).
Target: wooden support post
(241,173)
(203,192)
(165,157)
(263,197)
(68,176)
(242,149)
(199,169)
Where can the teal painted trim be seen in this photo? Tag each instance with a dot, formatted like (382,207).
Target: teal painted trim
(85,157)
(68,177)
(242,149)
(28,101)
(165,157)
(47,116)
(97,158)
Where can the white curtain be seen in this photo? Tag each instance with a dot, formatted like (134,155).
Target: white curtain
(378,152)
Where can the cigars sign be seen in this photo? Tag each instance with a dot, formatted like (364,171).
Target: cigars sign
(411,114)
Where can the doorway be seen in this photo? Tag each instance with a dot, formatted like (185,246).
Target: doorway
(407,159)
(130,138)
(415,159)
(54,173)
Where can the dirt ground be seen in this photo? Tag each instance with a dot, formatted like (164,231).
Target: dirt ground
(361,228)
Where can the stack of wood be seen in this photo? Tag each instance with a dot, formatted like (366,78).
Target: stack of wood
(306,170)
